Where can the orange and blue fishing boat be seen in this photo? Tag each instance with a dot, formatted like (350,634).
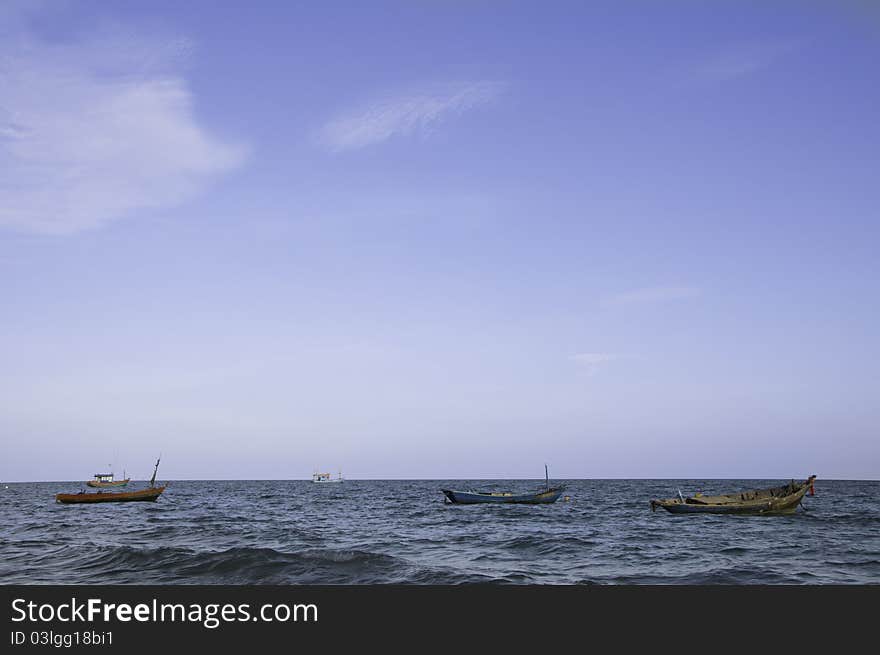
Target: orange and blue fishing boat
(151,493)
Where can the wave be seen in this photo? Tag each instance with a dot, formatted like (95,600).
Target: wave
(245,565)
(717,576)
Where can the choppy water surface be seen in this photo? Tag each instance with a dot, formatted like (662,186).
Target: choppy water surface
(365,532)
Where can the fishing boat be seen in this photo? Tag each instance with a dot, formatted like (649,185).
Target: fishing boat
(151,493)
(783,499)
(326,478)
(104,480)
(148,494)
(550,494)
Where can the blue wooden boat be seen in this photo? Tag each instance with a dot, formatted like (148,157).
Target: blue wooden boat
(544,496)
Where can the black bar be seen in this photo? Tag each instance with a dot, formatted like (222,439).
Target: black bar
(362,616)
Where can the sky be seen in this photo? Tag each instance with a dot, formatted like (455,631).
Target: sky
(440,239)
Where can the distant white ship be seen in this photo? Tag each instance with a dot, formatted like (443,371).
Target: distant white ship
(326,478)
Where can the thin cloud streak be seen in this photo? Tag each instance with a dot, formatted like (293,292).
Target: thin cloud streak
(743,59)
(91,132)
(731,62)
(405,115)
(592,362)
(654,295)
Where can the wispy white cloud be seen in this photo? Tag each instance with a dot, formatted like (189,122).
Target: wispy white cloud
(743,59)
(652,295)
(92,131)
(405,114)
(591,362)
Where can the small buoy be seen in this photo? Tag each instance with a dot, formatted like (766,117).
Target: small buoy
(566,498)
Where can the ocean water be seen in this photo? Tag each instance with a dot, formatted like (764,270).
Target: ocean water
(369,532)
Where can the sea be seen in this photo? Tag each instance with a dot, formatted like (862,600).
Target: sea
(402,532)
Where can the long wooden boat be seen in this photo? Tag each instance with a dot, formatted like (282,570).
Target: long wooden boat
(542,497)
(783,499)
(148,494)
(151,493)
(473,497)
(105,480)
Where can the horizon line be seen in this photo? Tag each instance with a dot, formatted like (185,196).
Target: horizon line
(835,479)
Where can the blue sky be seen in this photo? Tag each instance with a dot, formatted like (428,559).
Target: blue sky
(440,239)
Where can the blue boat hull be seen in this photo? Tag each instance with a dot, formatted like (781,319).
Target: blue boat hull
(475,497)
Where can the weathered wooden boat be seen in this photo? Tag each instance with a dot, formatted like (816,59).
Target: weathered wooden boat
(474,497)
(148,494)
(105,480)
(547,495)
(783,499)
(151,493)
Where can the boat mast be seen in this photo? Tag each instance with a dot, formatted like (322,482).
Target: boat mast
(547,476)
(153,479)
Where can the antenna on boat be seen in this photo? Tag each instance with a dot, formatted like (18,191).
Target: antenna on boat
(153,479)
(547,476)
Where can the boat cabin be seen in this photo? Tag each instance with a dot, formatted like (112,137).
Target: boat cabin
(326,477)
(103,477)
